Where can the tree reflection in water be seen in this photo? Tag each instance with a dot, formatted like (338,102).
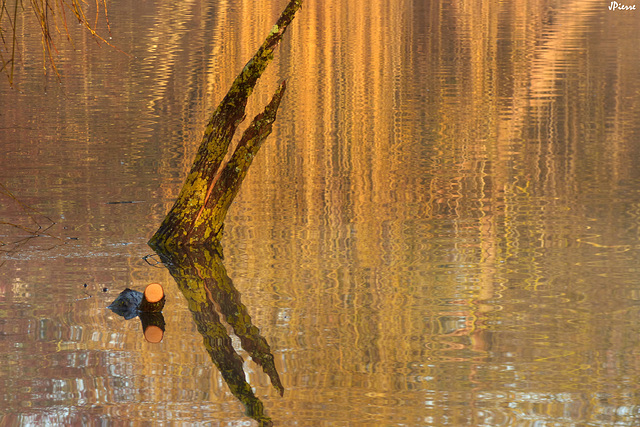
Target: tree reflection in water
(212,297)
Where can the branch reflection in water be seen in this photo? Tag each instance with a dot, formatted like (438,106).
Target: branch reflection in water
(212,299)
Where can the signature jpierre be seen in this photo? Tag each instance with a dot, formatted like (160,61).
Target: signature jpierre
(619,6)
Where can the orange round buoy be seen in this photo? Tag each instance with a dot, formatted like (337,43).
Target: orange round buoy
(153,334)
(153,292)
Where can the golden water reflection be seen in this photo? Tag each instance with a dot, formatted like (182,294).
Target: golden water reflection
(442,229)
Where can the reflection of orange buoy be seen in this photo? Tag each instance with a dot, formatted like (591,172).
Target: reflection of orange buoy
(153,300)
(152,326)
(153,334)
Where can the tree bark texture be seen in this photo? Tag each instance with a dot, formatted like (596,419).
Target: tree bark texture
(197,216)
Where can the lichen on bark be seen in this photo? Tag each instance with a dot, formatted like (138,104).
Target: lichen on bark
(197,216)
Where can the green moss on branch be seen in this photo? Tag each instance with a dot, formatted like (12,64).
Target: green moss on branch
(197,215)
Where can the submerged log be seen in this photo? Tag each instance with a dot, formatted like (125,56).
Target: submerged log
(197,216)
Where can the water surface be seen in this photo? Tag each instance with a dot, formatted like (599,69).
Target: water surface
(443,228)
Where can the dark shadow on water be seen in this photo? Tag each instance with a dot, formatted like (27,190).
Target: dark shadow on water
(211,295)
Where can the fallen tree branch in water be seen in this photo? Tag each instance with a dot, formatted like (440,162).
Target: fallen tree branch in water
(226,184)
(197,216)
